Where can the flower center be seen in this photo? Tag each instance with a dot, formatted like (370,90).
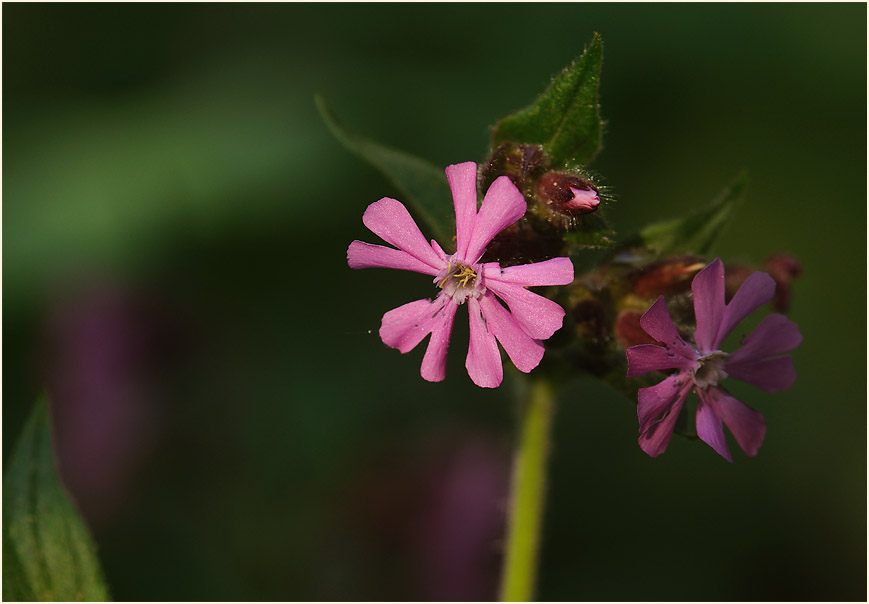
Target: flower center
(460,281)
(711,370)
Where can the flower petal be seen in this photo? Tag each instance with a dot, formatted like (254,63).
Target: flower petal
(746,424)
(774,335)
(390,220)
(524,351)
(406,326)
(368,255)
(463,184)
(771,375)
(439,251)
(755,291)
(556,271)
(709,427)
(657,323)
(502,206)
(708,291)
(657,410)
(434,363)
(653,401)
(484,358)
(650,357)
(540,317)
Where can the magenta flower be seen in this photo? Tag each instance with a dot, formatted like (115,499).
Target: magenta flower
(462,278)
(702,366)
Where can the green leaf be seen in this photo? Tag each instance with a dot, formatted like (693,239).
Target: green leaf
(696,233)
(422,184)
(565,119)
(48,554)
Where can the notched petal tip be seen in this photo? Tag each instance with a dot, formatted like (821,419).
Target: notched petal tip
(484,358)
(463,167)
(389,219)
(502,205)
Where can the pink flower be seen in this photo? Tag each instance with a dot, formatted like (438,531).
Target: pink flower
(702,365)
(461,278)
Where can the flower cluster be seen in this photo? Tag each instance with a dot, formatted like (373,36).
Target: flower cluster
(702,366)
(502,310)
(462,278)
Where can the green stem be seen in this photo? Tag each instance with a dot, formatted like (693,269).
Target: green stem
(527,494)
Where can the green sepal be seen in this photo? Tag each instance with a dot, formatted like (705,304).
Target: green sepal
(693,234)
(565,119)
(591,232)
(48,554)
(422,185)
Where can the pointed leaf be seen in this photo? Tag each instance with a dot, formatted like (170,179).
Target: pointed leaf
(565,119)
(48,553)
(422,185)
(696,233)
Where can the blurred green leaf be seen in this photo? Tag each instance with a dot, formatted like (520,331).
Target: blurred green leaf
(422,184)
(48,553)
(565,119)
(696,233)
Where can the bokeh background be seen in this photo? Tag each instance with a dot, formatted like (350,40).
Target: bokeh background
(175,220)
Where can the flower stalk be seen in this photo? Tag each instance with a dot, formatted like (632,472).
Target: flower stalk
(527,493)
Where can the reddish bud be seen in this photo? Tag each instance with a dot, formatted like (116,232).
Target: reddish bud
(628,330)
(567,195)
(667,277)
(783,268)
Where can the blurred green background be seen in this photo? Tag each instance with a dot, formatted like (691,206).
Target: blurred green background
(175,221)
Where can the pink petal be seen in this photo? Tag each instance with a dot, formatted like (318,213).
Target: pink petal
(406,326)
(368,255)
(390,220)
(484,358)
(658,408)
(649,357)
(439,251)
(657,323)
(655,400)
(434,363)
(463,184)
(746,424)
(540,317)
(774,335)
(524,351)
(709,428)
(708,291)
(502,206)
(557,271)
(756,291)
(770,375)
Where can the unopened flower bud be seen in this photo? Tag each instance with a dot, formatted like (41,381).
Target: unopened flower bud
(783,268)
(522,163)
(666,277)
(628,330)
(567,195)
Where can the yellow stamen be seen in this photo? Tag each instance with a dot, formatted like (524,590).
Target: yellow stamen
(444,280)
(465,275)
